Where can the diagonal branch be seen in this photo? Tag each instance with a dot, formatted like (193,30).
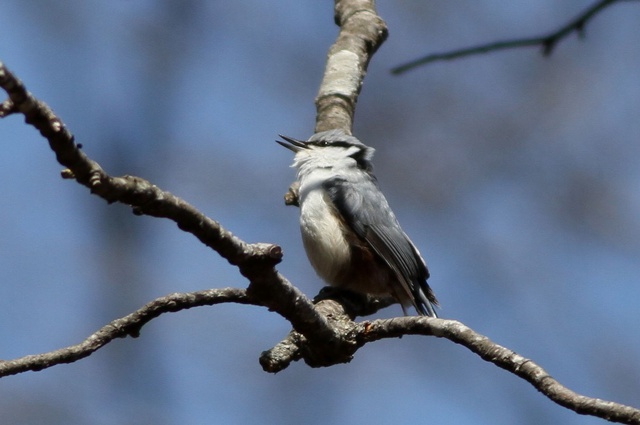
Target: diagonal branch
(547,42)
(501,357)
(295,347)
(129,325)
(255,261)
(144,197)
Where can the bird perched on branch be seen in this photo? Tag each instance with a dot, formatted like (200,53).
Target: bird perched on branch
(351,236)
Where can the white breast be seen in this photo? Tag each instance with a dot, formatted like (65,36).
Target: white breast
(322,234)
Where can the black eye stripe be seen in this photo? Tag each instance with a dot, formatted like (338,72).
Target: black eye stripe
(361,155)
(325,143)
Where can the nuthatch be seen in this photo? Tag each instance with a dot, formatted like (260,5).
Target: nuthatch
(351,236)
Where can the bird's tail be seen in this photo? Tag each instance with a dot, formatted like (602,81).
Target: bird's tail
(427,302)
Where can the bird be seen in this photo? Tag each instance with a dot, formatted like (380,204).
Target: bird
(350,234)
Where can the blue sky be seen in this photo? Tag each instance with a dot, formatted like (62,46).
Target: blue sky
(515,175)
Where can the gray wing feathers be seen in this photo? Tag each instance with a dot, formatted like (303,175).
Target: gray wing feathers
(376,224)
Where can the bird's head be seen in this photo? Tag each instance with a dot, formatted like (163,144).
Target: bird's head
(332,147)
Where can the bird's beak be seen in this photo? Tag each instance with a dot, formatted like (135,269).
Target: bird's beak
(293,145)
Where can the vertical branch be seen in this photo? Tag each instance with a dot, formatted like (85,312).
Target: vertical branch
(362,31)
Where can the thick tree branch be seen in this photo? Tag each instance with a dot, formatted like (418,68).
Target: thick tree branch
(129,325)
(547,42)
(362,31)
(340,307)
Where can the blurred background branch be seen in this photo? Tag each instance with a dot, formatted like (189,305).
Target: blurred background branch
(547,42)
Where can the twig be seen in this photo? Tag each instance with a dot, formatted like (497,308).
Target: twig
(129,325)
(547,42)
